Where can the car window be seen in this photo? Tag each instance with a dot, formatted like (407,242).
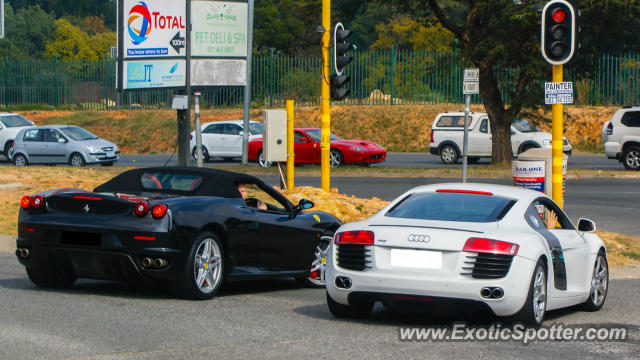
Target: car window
(299,138)
(524,126)
(170,181)
(255,128)
(314,134)
(543,208)
(451,121)
(631,118)
(232,129)
(214,129)
(452,207)
(33,135)
(14,121)
(51,135)
(255,195)
(484,126)
(78,133)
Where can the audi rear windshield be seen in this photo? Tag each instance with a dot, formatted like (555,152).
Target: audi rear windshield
(463,207)
(14,121)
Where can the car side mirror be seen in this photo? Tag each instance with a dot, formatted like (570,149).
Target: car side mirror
(586,225)
(304,204)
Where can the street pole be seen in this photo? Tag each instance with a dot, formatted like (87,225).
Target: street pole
(196,106)
(185,121)
(247,89)
(556,143)
(325,106)
(465,141)
(290,149)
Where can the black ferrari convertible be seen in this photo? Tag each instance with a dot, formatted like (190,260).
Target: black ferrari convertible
(189,228)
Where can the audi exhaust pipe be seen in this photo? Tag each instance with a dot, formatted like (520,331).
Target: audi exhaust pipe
(343,282)
(497,293)
(160,263)
(146,262)
(485,292)
(492,292)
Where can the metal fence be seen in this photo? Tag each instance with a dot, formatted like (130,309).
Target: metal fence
(377,77)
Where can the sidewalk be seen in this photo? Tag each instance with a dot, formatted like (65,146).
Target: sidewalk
(8,243)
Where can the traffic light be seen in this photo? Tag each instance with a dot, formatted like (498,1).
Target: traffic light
(339,82)
(559,32)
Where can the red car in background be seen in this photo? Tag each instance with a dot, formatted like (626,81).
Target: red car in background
(307,150)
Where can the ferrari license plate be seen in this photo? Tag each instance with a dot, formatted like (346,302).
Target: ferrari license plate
(421,259)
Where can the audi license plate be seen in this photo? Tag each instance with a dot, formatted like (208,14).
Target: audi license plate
(421,259)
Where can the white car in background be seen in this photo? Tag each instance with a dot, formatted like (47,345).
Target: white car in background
(447,134)
(10,124)
(474,246)
(621,137)
(223,139)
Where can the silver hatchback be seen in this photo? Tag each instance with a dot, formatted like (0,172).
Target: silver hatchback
(62,144)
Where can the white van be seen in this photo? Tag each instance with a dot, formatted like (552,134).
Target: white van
(447,133)
(10,124)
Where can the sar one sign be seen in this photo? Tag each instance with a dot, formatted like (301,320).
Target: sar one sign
(153,28)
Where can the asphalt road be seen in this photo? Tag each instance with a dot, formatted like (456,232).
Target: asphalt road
(394,160)
(258,320)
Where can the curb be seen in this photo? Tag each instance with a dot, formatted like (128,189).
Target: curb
(8,243)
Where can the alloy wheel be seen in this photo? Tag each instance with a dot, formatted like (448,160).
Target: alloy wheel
(206,267)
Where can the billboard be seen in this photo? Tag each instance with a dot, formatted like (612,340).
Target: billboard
(218,72)
(153,28)
(219,28)
(149,74)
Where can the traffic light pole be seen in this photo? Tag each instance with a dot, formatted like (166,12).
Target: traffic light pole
(325,106)
(556,143)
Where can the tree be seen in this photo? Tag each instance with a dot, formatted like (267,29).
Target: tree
(403,33)
(27,32)
(71,43)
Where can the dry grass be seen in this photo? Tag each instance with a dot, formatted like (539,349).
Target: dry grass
(397,128)
(16,182)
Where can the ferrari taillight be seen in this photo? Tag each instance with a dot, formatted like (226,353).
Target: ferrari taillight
(37,201)
(159,210)
(25,202)
(142,208)
(482,245)
(354,238)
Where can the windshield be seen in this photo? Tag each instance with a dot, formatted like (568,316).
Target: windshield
(78,133)
(523,125)
(14,121)
(314,134)
(452,207)
(255,128)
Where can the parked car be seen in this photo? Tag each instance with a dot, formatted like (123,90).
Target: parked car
(486,247)
(10,124)
(223,139)
(621,137)
(187,228)
(307,150)
(447,133)
(62,144)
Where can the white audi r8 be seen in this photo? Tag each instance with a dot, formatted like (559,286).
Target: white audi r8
(468,245)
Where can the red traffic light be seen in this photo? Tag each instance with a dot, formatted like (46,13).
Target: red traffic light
(559,15)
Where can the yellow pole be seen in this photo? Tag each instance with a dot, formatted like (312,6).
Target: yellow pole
(556,144)
(290,153)
(325,106)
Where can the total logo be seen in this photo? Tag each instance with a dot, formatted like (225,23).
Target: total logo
(141,21)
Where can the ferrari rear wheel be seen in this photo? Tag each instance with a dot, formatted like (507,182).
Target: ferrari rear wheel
(316,277)
(51,276)
(535,307)
(599,284)
(204,269)
(357,310)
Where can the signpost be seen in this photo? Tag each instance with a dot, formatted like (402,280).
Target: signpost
(471,86)
(200,44)
(558,93)
(1,19)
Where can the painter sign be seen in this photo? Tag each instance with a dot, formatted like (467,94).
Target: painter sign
(153,28)
(219,28)
(558,93)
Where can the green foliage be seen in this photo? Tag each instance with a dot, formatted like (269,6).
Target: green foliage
(71,43)
(406,33)
(27,30)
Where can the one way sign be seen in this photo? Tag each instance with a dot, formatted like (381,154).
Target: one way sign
(177,42)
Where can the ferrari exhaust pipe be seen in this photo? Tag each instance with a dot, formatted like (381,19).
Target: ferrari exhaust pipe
(146,262)
(160,263)
(22,253)
(497,293)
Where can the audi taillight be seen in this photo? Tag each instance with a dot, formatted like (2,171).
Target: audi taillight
(483,245)
(25,202)
(354,238)
(142,208)
(158,211)
(459,191)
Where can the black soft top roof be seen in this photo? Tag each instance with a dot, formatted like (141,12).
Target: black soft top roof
(215,182)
